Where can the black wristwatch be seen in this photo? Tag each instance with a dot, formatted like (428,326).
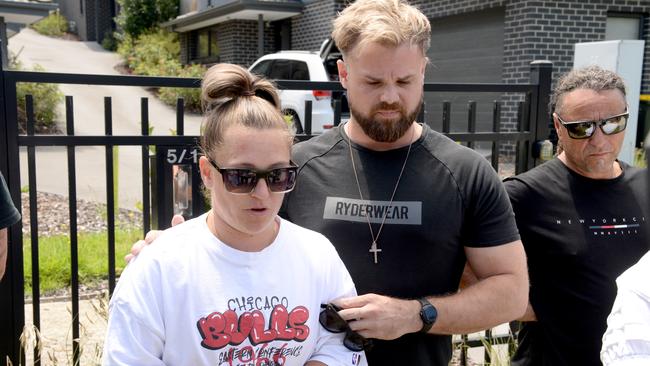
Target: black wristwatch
(428,314)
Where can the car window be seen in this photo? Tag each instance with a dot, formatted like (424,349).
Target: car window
(262,68)
(299,70)
(331,68)
(281,70)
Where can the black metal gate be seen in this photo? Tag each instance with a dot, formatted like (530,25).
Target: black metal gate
(533,125)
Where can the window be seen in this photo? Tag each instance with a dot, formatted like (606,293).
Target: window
(206,45)
(299,71)
(281,70)
(623,26)
(262,68)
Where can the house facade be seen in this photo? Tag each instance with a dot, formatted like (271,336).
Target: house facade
(484,41)
(91,20)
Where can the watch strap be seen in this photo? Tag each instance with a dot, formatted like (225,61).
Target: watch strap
(426,323)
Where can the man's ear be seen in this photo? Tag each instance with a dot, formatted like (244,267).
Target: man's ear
(424,67)
(206,171)
(556,123)
(423,70)
(343,73)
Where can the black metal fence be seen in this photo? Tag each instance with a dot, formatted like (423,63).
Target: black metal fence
(533,125)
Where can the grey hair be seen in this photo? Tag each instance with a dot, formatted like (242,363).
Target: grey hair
(590,77)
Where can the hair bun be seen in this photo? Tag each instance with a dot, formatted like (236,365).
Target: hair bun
(224,83)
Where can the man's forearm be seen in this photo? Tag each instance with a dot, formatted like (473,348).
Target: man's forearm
(492,301)
(3,251)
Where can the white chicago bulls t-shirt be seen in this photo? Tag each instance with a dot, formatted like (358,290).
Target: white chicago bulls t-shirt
(190,299)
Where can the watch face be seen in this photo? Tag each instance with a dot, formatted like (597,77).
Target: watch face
(429,314)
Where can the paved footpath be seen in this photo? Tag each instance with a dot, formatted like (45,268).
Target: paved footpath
(56,332)
(65,56)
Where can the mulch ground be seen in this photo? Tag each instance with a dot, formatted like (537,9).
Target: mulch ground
(53,215)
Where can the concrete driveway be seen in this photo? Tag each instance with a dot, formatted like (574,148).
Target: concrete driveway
(64,56)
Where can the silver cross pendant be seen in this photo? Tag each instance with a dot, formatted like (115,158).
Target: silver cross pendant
(374,250)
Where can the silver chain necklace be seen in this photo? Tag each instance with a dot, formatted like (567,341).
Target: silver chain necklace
(374,249)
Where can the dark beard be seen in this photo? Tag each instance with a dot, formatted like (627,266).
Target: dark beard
(385,130)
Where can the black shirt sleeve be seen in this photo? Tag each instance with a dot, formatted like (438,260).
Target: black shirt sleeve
(490,218)
(8,213)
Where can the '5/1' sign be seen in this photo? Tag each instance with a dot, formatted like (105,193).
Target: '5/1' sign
(183,155)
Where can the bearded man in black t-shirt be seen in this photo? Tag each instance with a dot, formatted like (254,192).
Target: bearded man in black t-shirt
(583,220)
(405,206)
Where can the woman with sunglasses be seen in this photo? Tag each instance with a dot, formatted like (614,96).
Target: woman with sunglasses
(246,286)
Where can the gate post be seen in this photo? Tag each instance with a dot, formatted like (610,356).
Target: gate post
(540,123)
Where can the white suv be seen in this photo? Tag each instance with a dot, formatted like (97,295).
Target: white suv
(302,65)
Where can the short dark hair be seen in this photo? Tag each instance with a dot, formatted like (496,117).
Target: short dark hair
(590,77)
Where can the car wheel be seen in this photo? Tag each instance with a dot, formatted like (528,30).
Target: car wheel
(294,121)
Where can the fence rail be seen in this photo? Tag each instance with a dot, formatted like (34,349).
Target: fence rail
(532,126)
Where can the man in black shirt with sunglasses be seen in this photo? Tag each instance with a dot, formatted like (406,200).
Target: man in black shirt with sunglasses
(583,220)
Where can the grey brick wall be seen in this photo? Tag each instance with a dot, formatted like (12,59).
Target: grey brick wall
(442,8)
(549,30)
(545,30)
(533,30)
(314,25)
(538,30)
(238,41)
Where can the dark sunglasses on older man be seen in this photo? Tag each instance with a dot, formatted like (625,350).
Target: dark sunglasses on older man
(585,129)
(330,319)
(244,181)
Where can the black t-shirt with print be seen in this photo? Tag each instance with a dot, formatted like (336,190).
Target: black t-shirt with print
(449,197)
(580,234)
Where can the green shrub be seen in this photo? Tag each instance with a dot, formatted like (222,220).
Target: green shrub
(109,42)
(46,99)
(192,96)
(152,54)
(54,25)
(125,44)
(140,16)
(157,53)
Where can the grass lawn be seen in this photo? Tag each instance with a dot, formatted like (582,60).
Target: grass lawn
(54,258)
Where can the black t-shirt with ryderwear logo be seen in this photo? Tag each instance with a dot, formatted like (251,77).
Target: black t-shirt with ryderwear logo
(580,234)
(449,197)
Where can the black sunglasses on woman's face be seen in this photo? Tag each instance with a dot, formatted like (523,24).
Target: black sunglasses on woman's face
(244,181)
(330,319)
